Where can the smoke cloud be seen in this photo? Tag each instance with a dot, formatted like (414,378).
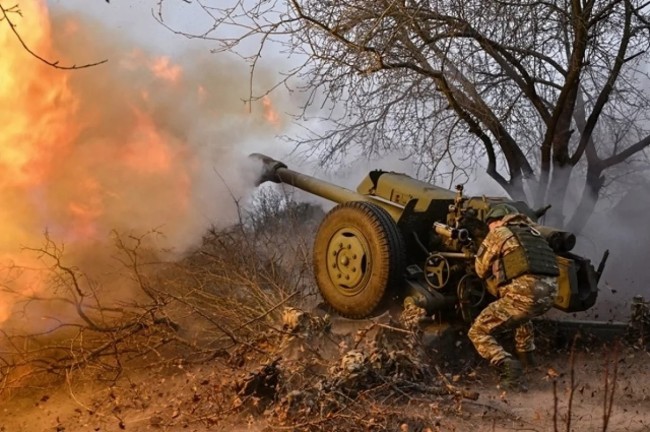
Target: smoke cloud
(623,230)
(143,142)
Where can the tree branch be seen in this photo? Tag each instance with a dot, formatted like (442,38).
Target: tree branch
(54,64)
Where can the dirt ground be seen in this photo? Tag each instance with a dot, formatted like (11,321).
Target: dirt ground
(186,397)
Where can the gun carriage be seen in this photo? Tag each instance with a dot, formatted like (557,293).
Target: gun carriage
(397,237)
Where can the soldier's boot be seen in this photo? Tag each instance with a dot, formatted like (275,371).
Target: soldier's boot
(527,359)
(511,375)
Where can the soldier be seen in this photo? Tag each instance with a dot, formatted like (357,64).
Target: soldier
(520,269)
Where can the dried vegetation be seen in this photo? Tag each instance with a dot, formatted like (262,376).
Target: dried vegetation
(230,338)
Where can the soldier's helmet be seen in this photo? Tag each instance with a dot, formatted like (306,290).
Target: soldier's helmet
(499,211)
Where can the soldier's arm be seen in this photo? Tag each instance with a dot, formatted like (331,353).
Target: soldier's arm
(485,257)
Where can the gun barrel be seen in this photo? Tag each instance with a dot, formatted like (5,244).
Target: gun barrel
(277,172)
(269,168)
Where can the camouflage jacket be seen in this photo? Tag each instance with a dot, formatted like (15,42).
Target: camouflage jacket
(498,242)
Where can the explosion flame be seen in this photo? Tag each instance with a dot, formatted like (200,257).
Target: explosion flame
(130,145)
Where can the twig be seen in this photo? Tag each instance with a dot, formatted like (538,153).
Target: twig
(608,397)
(395,329)
(452,389)
(572,373)
(506,413)
(72,395)
(55,64)
(555,405)
(289,297)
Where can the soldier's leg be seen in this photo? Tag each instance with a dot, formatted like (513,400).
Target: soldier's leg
(525,337)
(533,296)
(494,317)
(525,344)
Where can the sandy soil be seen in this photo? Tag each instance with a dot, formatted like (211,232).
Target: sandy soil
(534,410)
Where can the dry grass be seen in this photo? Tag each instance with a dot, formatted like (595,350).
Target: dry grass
(218,298)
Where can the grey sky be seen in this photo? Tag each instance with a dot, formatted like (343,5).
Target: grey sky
(134,17)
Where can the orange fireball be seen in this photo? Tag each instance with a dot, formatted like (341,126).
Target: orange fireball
(136,144)
(76,161)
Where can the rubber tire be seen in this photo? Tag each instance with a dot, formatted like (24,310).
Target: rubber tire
(386,258)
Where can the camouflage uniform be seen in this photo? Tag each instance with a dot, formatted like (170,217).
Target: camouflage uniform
(524,297)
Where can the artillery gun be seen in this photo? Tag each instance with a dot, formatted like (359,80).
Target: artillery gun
(397,237)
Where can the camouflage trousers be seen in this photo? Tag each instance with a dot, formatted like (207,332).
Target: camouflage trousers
(524,298)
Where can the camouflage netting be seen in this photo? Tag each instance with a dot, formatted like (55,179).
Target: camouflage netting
(319,375)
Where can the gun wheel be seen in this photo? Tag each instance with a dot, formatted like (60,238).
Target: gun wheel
(471,291)
(358,258)
(437,271)
(472,295)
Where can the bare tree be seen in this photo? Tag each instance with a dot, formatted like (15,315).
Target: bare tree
(538,92)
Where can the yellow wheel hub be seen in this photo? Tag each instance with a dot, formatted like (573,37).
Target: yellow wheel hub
(348,260)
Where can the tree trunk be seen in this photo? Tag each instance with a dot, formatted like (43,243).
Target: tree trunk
(557,193)
(593,184)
